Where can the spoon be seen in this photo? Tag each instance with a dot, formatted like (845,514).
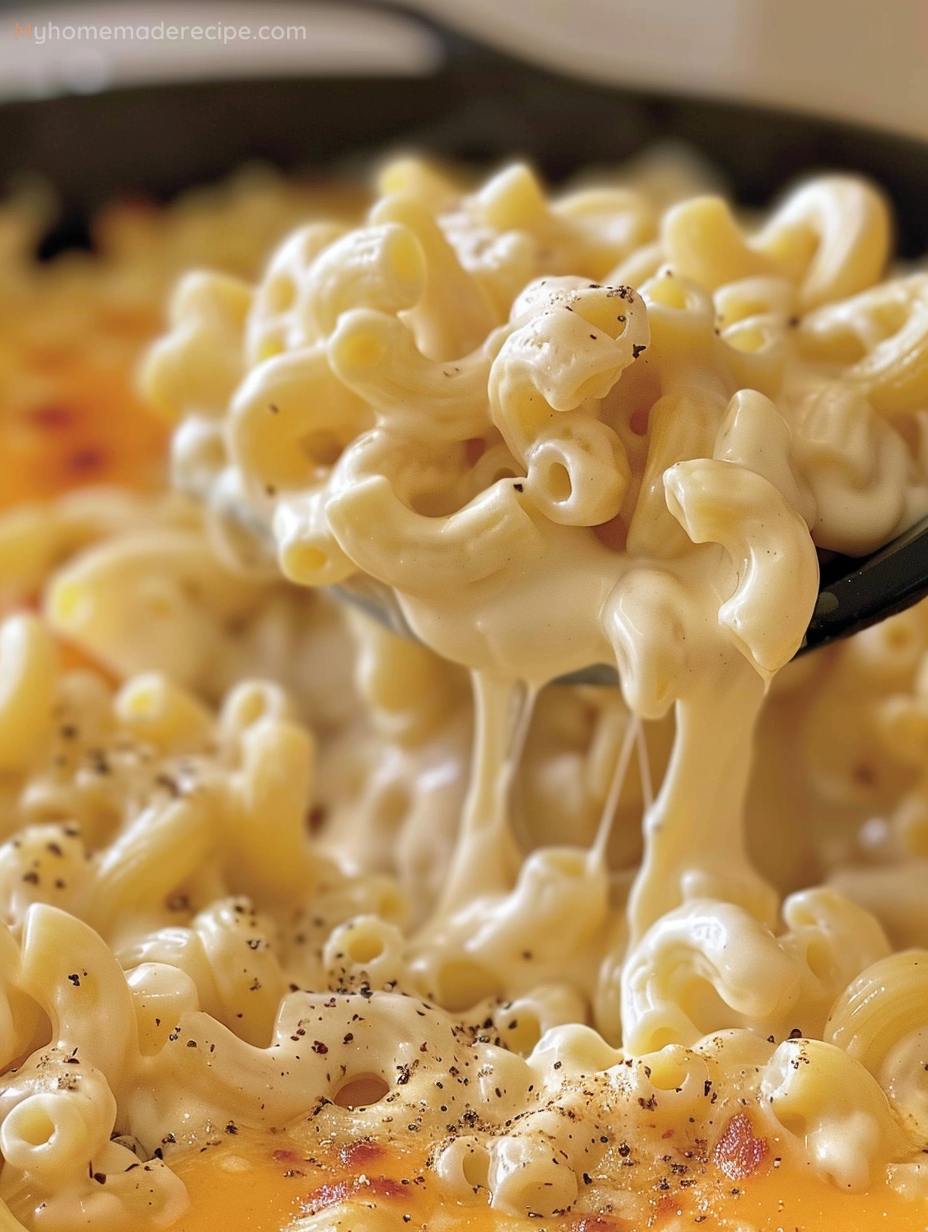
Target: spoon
(854,591)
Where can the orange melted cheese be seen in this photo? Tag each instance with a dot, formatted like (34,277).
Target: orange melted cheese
(256,1183)
(93,431)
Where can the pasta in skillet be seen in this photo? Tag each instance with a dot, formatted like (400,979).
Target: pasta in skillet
(248,884)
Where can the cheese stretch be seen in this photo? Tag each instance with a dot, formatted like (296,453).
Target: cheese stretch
(567,953)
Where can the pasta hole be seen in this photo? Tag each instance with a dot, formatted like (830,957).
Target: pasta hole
(35,1126)
(476,1168)
(612,534)
(667,292)
(462,984)
(821,964)
(391,906)
(361,1091)
(269,347)
(659,1039)
(405,255)
(668,1073)
(888,318)
(557,481)
(303,560)
(704,1007)
(524,1032)
(639,421)
(749,339)
(253,708)
(363,944)
(141,701)
(543,1197)
(322,448)
(70,601)
(474,449)
(435,502)
(361,351)
(740,309)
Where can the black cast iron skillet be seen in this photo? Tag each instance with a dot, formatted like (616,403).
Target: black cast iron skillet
(479,105)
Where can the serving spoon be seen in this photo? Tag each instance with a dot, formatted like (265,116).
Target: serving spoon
(855,592)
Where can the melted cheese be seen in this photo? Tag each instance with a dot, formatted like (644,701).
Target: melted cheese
(267,1184)
(749,1073)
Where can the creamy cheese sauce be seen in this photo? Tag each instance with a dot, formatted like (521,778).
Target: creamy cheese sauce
(361,948)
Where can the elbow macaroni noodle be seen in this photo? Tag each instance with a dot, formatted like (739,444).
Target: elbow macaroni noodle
(246,878)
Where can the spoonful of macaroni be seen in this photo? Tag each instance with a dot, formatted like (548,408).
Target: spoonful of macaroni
(854,592)
(529,432)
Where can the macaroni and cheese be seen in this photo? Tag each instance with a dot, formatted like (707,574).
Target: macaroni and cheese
(603,958)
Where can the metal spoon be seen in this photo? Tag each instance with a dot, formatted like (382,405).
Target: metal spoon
(854,591)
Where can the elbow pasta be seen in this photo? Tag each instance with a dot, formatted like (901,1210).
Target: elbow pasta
(267,870)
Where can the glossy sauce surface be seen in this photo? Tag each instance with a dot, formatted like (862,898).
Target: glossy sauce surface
(262,1184)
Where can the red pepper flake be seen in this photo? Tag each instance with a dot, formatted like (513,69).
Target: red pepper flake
(283,1157)
(325,1195)
(329,1195)
(738,1153)
(361,1153)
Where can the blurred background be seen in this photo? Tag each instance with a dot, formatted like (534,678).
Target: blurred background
(851,59)
(767,89)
